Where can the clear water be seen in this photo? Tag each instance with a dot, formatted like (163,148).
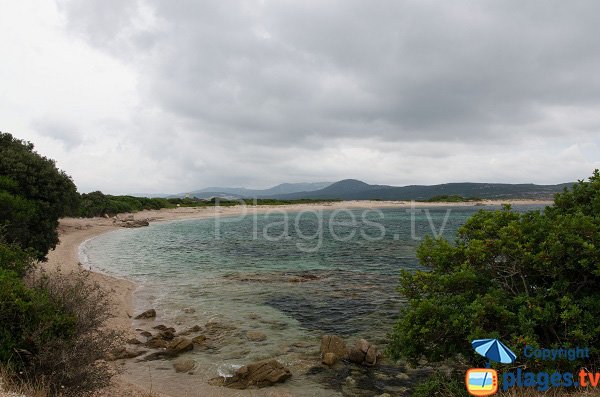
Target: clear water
(293,289)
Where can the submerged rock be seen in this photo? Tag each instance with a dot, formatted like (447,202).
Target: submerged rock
(256,336)
(184,365)
(259,374)
(146,315)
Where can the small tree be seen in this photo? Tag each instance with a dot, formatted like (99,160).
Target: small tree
(526,278)
(34,194)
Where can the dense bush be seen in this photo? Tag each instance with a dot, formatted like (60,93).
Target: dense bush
(99,204)
(52,332)
(72,363)
(526,278)
(33,195)
(29,320)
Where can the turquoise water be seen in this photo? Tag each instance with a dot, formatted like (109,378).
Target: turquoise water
(264,273)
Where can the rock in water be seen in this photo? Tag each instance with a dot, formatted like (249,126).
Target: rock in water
(329,359)
(363,353)
(180,345)
(259,374)
(334,344)
(184,365)
(256,336)
(147,314)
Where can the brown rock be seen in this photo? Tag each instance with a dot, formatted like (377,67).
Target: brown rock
(146,315)
(123,353)
(180,345)
(256,336)
(194,329)
(134,341)
(146,334)
(199,339)
(363,353)
(334,344)
(329,359)
(184,365)
(135,223)
(259,374)
(166,334)
(156,343)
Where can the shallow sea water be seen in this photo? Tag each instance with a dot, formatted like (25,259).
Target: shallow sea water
(263,273)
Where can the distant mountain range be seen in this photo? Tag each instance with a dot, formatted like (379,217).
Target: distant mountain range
(352,189)
(284,188)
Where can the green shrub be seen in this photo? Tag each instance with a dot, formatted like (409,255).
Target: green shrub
(53,333)
(29,320)
(33,195)
(440,385)
(13,258)
(526,278)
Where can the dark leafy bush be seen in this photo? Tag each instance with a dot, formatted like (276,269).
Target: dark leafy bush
(34,194)
(526,278)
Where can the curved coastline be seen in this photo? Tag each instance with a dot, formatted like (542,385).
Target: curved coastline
(74,232)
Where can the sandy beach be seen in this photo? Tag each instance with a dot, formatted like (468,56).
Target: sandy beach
(74,231)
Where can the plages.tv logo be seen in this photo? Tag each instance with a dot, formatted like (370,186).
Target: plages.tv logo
(484,381)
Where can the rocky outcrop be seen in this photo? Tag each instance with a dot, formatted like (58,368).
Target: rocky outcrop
(123,353)
(146,315)
(180,345)
(363,353)
(170,349)
(259,374)
(335,345)
(134,223)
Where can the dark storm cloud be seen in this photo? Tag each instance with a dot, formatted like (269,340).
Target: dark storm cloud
(285,72)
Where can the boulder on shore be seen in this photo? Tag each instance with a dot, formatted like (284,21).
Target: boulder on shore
(334,344)
(363,353)
(151,313)
(259,374)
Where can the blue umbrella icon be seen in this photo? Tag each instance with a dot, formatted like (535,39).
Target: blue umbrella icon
(494,350)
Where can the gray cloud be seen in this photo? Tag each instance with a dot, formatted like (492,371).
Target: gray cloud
(256,92)
(285,71)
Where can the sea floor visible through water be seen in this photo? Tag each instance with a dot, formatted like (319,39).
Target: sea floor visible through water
(293,277)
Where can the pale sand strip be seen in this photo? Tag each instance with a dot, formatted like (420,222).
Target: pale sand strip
(74,231)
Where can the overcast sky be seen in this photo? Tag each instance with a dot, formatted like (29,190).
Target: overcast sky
(171,96)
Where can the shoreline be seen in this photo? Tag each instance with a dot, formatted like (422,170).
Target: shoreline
(74,232)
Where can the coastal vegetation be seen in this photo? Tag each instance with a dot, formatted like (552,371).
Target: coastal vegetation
(51,324)
(100,204)
(451,198)
(526,278)
(33,196)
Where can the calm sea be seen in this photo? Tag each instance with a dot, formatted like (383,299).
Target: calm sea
(293,277)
